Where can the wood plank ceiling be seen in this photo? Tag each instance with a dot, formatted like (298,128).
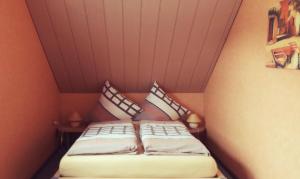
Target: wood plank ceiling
(132,42)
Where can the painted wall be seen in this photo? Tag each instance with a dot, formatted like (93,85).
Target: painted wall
(252,112)
(29,99)
(83,103)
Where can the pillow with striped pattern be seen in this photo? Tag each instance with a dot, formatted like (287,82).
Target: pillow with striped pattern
(117,104)
(159,98)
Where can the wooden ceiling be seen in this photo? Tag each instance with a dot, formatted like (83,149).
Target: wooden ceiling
(132,42)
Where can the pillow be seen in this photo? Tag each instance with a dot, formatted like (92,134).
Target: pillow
(159,98)
(117,104)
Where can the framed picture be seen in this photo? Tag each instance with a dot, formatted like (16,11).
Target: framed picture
(284,35)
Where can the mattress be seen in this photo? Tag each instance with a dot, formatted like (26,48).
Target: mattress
(138,166)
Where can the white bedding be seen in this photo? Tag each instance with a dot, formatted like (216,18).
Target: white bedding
(137,166)
(169,138)
(106,138)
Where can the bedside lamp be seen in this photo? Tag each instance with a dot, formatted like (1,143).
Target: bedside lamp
(194,121)
(75,119)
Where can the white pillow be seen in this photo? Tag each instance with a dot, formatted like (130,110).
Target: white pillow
(117,104)
(160,99)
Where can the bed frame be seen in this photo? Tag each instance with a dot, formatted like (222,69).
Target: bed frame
(56,176)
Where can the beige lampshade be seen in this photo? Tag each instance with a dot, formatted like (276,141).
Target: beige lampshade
(74,117)
(194,118)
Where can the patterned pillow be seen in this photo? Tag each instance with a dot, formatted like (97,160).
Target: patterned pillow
(117,104)
(160,99)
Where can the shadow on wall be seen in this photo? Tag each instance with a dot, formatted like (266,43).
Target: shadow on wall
(240,171)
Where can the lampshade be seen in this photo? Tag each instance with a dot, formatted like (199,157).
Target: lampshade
(75,117)
(194,118)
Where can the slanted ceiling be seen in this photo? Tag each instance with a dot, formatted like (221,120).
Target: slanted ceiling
(132,42)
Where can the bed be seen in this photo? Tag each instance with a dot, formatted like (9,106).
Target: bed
(139,165)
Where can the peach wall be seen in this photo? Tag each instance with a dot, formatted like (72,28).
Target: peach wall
(252,112)
(29,99)
(83,103)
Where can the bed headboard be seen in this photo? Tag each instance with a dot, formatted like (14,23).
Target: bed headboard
(132,42)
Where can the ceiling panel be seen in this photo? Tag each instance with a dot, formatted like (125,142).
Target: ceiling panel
(215,38)
(132,42)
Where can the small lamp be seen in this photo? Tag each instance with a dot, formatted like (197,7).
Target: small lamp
(194,121)
(75,119)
